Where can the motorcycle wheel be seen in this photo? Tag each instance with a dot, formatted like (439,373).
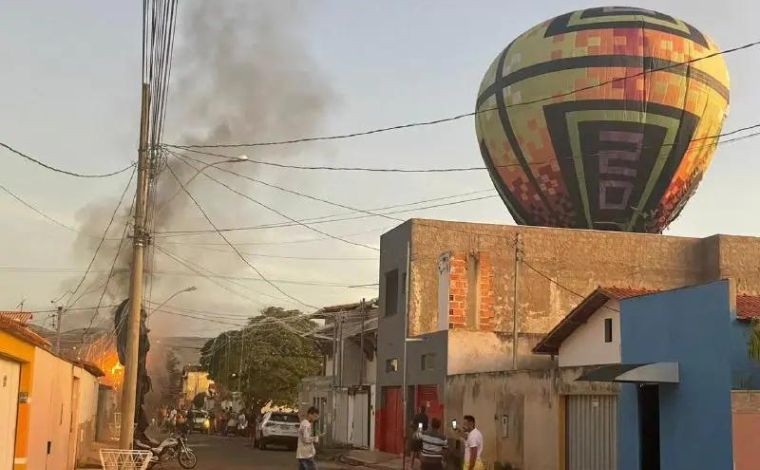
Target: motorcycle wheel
(187,459)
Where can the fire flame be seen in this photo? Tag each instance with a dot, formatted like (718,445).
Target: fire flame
(103,354)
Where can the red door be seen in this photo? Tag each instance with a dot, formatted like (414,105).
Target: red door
(389,432)
(427,396)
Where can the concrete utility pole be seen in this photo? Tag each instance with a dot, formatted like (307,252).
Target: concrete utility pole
(240,362)
(361,342)
(58,330)
(140,239)
(515,340)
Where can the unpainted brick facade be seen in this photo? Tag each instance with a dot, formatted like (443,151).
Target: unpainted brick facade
(558,268)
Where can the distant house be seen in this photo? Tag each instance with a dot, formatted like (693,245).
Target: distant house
(36,385)
(195,380)
(345,391)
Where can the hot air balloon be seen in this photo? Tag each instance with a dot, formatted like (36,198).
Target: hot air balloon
(603,118)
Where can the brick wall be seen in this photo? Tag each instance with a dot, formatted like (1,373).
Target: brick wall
(458,291)
(459,288)
(580,260)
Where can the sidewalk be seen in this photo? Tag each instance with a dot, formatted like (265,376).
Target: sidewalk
(372,459)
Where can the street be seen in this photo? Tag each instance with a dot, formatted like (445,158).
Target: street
(223,453)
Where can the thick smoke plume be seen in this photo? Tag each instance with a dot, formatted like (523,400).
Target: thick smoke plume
(241,73)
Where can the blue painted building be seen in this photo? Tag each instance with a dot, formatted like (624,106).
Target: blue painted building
(677,355)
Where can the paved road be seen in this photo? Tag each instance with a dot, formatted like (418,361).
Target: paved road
(222,453)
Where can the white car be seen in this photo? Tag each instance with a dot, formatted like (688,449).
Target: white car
(278,428)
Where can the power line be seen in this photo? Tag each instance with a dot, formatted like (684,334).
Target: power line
(227,241)
(325,219)
(331,168)
(46,216)
(208,274)
(235,229)
(39,212)
(110,274)
(102,240)
(35,270)
(62,171)
(282,214)
(340,219)
(483,168)
(290,191)
(300,258)
(473,113)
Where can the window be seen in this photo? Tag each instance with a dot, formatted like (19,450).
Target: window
(391,292)
(391,365)
(608,330)
(428,361)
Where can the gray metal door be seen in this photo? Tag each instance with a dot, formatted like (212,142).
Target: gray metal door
(591,432)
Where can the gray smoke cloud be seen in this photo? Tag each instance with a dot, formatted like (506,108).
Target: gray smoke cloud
(241,73)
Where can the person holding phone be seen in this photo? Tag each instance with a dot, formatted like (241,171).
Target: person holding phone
(306,452)
(434,445)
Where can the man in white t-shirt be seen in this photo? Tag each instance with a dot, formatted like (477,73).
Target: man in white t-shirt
(306,452)
(473,445)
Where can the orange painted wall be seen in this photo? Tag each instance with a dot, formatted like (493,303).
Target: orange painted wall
(20,351)
(746,440)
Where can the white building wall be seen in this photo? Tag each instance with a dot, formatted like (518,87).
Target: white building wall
(586,346)
(87,414)
(49,412)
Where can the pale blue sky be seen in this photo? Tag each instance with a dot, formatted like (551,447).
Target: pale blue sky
(71,82)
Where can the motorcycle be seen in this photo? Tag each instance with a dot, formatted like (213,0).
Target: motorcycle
(173,446)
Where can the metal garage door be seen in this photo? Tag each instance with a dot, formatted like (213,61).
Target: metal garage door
(591,432)
(9,376)
(359,403)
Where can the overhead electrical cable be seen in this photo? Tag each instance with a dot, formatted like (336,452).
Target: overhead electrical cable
(338,219)
(62,171)
(457,117)
(226,240)
(102,240)
(479,168)
(282,214)
(296,193)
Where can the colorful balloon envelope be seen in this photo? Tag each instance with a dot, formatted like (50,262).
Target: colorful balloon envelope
(604,118)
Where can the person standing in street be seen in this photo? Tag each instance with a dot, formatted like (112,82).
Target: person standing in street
(305,453)
(419,425)
(473,445)
(421,418)
(434,444)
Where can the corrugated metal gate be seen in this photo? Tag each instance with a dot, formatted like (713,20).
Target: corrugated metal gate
(591,432)
(359,407)
(340,418)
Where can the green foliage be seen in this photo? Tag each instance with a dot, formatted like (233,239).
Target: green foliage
(754,341)
(275,357)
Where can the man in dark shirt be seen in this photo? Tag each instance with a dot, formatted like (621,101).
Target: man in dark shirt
(421,418)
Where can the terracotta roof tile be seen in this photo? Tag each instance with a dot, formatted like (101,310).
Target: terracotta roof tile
(620,293)
(21,317)
(18,330)
(747,308)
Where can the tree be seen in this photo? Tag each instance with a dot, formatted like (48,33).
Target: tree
(754,341)
(275,357)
